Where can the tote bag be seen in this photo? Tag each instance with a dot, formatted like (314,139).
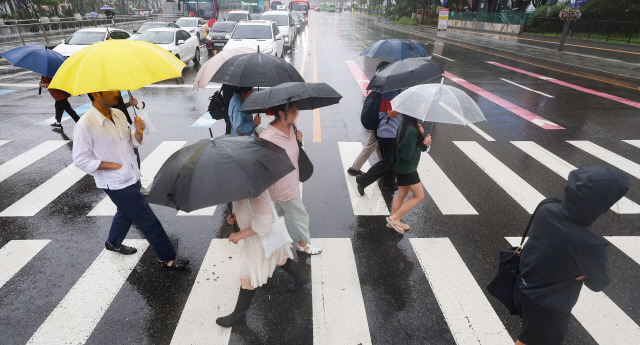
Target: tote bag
(279,235)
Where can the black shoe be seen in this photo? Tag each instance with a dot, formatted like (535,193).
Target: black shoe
(294,270)
(244,302)
(360,186)
(354,172)
(124,250)
(177,265)
(56,125)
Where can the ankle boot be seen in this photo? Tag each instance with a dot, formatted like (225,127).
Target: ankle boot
(244,302)
(294,269)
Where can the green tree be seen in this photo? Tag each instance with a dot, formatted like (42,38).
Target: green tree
(612,10)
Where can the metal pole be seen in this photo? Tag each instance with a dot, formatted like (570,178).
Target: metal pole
(565,30)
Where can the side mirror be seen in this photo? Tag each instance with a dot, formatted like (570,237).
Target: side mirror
(62,42)
(292,24)
(278,37)
(135,31)
(180,42)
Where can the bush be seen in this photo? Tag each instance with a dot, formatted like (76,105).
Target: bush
(413,22)
(553,10)
(404,20)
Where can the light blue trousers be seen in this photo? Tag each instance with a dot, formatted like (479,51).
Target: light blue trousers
(296,218)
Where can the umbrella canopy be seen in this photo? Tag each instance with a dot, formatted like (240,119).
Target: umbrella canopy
(106,7)
(92,15)
(396,49)
(438,103)
(406,73)
(35,58)
(306,95)
(213,172)
(212,65)
(256,70)
(116,65)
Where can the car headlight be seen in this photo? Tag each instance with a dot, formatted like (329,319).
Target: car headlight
(268,51)
(286,39)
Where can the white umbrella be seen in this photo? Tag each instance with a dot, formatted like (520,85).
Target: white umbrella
(207,70)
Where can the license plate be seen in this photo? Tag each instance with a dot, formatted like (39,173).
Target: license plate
(218,44)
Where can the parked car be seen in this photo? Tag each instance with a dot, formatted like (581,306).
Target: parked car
(286,25)
(86,37)
(177,41)
(219,35)
(150,25)
(194,25)
(237,16)
(262,35)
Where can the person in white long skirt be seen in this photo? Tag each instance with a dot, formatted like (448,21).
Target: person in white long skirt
(255,217)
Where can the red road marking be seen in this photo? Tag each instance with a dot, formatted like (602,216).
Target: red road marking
(573,86)
(523,113)
(360,77)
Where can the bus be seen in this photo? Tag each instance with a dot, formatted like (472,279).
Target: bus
(328,7)
(300,6)
(208,10)
(275,3)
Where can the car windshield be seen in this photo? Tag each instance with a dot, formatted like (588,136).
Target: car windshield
(187,23)
(223,27)
(299,6)
(259,32)
(146,26)
(236,17)
(86,38)
(157,37)
(280,19)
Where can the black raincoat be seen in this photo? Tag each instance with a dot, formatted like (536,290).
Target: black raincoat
(561,247)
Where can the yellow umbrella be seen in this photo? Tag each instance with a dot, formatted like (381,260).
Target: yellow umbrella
(116,65)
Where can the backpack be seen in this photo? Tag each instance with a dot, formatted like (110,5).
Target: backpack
(370,110)
(216,106)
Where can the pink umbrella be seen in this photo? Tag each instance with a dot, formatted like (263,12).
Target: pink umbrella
(207,70)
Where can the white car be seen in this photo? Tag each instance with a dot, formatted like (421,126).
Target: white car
(177,41)
(261,35)
(286,25)
(236,16)
(86,37)
(194,25)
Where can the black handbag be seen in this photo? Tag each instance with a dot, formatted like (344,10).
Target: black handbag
(502,285)
(305,167)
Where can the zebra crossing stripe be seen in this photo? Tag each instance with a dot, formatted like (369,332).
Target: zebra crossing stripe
(149,169)
(467,311)
(207,211)
(563,168)
(65,116)
(17,253)
(75,317)
(635,143)
(612,158)
(335,285)
(522,192)
(29,157)
(444,193)
(213,295)
(600,316)
(372,203)
(41,196)
(2,142)
(4,92)
(204,121)
(627,244)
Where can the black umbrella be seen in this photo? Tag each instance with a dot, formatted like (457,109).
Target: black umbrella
(213,172)
(406,73)
(256,70)
(306,95)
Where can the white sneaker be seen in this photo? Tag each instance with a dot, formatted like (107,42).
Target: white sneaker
(145,191)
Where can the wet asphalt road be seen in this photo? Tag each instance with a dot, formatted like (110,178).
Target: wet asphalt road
(401,305)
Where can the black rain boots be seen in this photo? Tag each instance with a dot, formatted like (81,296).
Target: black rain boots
(244,302)
(294,269)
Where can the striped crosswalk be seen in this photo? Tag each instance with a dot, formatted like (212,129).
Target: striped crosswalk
(29,157)
(15,254)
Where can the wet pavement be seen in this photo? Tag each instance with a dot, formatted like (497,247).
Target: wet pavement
(370,285)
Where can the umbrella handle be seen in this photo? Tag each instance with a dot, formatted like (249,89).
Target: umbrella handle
(135,114)
(39,91)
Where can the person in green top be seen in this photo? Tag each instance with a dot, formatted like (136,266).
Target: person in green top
(411,142)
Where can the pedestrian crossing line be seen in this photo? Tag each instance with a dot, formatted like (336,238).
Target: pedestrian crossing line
(204,121)
(522,192)
(635,143)
(41,196)
(443,192)
(2,142)
(481,132)
(4,92)
(149,169)
(213,295)
(600,316)
(29,157)
(563,168)
(339,316)
(65,116)
(624,164)
(372,203)
(75,317)
(628,245)
(467,311)
(207,211)
(17,253)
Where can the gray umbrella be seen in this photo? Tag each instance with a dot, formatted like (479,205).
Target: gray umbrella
(306,95)
(256,70)
(213,172)
(406,73)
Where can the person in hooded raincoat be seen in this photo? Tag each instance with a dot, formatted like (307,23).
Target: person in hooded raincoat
(562,254)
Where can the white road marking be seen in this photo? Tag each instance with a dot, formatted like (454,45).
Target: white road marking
(443,192)
(213,295)
(481,132)
(30,204)
(630,245)
(468,313)
(372,203)
(2,142)
(25,159)
(600,316)
(624,164)
(17,253)
(526,88)
(563,168)
(15,74)
(207,211)
(522,192)
(339,316)
(75,317)
(149,168)
(440,56)
(635,143)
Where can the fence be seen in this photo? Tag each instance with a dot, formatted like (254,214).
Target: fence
(605,30)
(516,18)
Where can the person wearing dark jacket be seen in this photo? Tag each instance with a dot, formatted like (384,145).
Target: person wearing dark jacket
(227,93)
(562,254)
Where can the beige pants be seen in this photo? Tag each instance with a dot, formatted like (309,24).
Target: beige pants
(372,144)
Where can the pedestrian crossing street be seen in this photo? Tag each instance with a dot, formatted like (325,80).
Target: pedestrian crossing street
(335,284)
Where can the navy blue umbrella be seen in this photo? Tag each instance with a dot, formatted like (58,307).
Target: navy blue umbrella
(35,58)
(92,15)
(395,49)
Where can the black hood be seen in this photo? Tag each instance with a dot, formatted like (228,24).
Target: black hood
(591,191)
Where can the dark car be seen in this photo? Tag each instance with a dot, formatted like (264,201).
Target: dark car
(218,35)
(152,25)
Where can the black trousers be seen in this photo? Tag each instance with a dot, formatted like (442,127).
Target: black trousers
(227,121)
(384,168)
(62,106)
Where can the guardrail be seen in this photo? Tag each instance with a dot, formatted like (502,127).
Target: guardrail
(606,30)
(517,18)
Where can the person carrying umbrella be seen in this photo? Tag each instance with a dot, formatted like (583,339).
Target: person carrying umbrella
(61,105)
(243,124)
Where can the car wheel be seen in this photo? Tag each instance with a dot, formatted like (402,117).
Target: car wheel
(196,57)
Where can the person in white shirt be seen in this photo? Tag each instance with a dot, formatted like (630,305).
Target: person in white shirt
(103,143)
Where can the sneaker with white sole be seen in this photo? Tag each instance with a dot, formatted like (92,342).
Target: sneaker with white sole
(145,191)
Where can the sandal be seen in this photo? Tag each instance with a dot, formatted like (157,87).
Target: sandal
(309,249)
(402,225)
(395,226)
